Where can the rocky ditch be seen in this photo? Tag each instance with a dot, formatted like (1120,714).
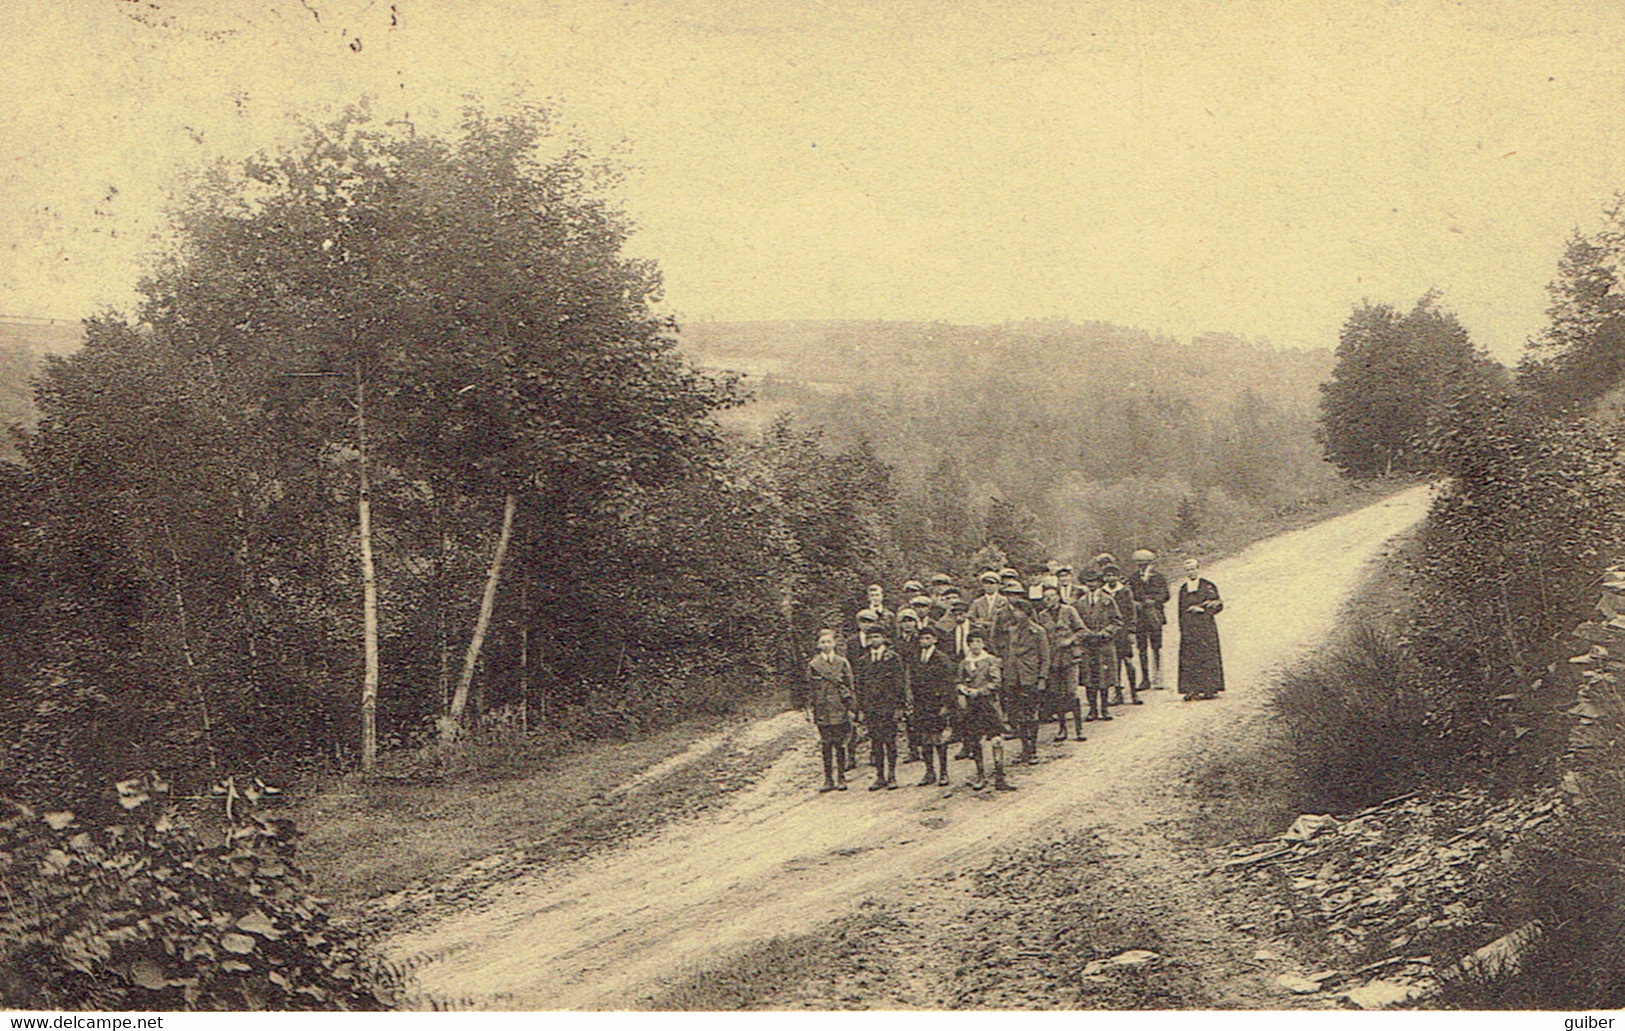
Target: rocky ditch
(1395,901)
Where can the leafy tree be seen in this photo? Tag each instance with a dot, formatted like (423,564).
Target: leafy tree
(1187,520)
(1581,354)
(1015,532)
(374,323)
(837,512)
(1394,373)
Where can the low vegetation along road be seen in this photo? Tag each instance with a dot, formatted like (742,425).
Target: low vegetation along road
(616,929)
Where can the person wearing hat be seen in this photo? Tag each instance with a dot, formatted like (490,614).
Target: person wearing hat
(1026,658)
(1037,577)
(880,688)
(876,603)
(988,606)
(1123,595)
(908,626)
(1008,577)
(948,616)
(1150,603)
(1063,580)
(931,676)
(830,697)
(1006,619)
(1096,644)
(908,641)
(857,645)
(1063,624)
(954,636)
(912,587)
(980,716)
(936,583)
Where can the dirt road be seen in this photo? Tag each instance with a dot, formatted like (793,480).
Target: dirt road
(781,859)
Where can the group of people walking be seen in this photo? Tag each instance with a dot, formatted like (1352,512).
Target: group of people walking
(940,670)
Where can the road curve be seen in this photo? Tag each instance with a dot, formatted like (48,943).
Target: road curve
(781,859)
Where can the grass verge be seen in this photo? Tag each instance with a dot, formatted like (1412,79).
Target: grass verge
(503,806)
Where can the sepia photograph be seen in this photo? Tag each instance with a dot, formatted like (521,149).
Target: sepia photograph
(689,506)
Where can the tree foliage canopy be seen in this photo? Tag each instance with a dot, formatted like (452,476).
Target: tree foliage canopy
(470,299)
(1394,375)
(1580,355)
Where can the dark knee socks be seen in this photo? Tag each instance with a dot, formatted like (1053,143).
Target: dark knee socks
(884,756)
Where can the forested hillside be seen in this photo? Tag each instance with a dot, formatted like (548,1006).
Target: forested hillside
(1100,436)
(24,344)
(17,368)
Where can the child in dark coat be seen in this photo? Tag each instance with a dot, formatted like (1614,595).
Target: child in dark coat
(879,680)
(932,674)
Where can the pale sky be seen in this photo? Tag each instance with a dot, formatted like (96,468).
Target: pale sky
(1253,168)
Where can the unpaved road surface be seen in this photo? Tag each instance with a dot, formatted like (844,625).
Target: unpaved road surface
(781,859)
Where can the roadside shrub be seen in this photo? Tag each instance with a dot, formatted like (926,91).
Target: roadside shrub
(1357,723)
(145,915)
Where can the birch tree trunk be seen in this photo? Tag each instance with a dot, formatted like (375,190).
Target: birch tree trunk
(369,595)
(459,700)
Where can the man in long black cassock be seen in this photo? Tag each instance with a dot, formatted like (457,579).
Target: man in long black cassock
(1201,668)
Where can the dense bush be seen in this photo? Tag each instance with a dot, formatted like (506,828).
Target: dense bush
(1356,721)
(144,914)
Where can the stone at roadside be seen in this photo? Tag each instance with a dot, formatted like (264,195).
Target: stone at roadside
(1297,984)
(1374,995)
(1308,825)
(1131,958)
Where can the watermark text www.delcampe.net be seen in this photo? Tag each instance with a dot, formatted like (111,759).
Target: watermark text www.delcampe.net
(71,1023)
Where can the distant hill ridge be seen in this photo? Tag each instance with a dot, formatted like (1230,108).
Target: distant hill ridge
(1046,355)
(40,335)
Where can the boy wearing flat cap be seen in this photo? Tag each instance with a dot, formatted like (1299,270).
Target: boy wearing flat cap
(1096,644)
(857,645)
(931,676)
(1026,658)
(1150,601)
(988,606)
(878,679)
(1123,595)
(907,644)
